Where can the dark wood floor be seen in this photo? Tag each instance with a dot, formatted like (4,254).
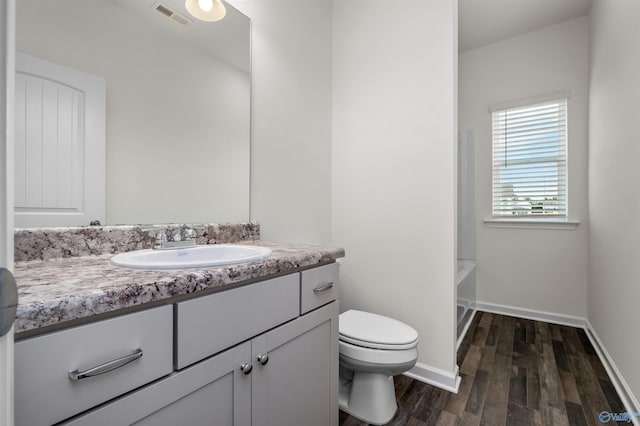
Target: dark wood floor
(514,372)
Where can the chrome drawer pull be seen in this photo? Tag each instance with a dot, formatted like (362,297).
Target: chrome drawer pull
(323,288)
(76,375)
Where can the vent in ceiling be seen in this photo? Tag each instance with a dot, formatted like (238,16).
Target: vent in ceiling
(172,14)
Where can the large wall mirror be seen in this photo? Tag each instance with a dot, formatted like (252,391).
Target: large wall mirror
(177,116)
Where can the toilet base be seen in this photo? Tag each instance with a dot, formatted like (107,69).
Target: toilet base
(369,397)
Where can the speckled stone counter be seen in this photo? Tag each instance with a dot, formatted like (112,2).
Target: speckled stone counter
(62,291)
(64,275)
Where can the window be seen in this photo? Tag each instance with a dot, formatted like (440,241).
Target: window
(530,160)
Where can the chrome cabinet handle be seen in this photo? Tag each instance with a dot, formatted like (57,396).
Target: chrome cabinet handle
(246,368)
(263,359)
(323,288)
(76,375)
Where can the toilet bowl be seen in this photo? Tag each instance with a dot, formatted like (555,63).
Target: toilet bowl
(373,349)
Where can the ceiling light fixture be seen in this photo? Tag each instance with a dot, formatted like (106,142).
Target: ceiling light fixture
(206,10)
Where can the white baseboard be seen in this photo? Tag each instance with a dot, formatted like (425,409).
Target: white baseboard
(532,314)
(436,377)
(624,392)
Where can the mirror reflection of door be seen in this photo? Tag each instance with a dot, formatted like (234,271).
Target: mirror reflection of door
(59,145)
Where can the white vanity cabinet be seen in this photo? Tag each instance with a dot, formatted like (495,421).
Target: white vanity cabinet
(296,386)
(256,355)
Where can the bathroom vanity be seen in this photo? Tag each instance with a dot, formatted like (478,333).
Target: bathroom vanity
(246,344)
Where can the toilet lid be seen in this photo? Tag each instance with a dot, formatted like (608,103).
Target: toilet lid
(375,331)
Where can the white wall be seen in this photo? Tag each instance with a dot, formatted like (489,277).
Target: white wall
(177,142)
(291,118)
(614,204)
(394,164)
(537,269)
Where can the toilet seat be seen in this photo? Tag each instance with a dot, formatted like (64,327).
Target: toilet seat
(378,356)
(375,331)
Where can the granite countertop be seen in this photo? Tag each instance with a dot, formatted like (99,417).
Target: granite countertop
(58,292)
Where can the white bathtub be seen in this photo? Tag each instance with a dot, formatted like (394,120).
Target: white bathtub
(465,267)
(466,282)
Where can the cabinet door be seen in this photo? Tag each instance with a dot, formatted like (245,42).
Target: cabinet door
(214,392)
(299,383)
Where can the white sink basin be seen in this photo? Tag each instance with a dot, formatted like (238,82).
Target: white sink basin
(191,257)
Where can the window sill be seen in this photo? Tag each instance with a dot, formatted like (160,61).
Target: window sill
(568,225)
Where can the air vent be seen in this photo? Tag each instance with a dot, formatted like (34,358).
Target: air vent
(180,19)
(172,14)
(165,11)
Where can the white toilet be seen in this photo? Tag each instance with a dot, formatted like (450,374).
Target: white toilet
(373,349)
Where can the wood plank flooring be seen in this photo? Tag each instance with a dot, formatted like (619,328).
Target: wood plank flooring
(514,372)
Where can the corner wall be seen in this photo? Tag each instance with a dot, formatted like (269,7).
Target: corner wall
(394,165)
(523,267)
(291,118)
(614,203)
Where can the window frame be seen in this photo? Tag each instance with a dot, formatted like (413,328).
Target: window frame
(510,218)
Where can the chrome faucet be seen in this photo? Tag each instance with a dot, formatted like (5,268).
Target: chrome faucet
(185,235)
(181,237)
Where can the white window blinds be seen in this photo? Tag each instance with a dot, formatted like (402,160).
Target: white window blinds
(530,160)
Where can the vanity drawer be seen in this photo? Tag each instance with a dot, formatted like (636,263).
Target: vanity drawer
(210,324)
(318,286)
(45,393)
